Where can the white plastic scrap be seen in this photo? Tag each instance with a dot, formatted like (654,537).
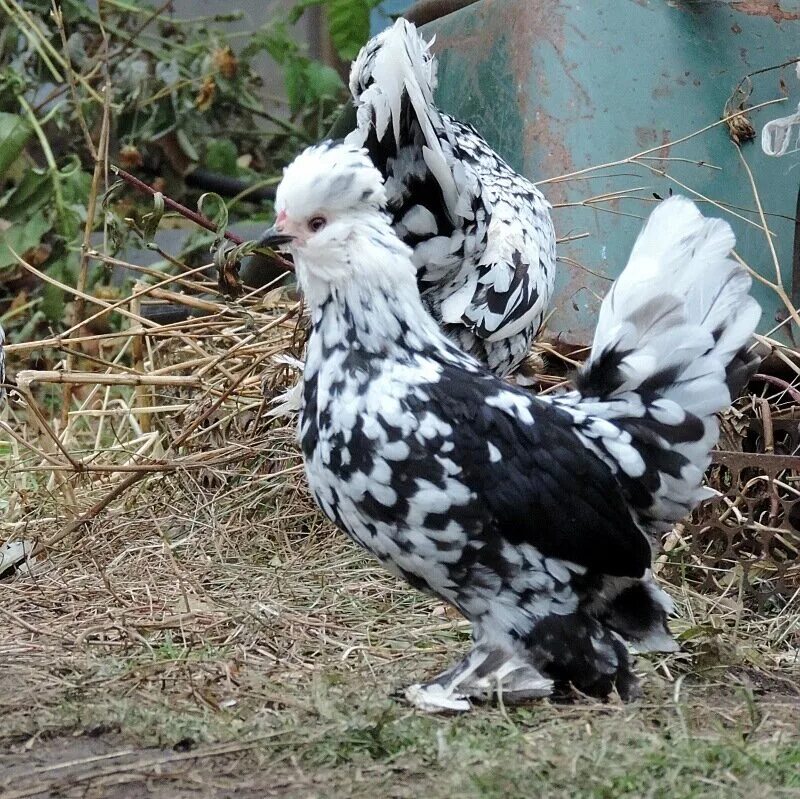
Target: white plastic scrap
(14,553)
(779,135)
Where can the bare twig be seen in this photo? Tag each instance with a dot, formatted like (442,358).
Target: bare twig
(100,155)
(94,511)
(142,392)
(194,216)
(28,377)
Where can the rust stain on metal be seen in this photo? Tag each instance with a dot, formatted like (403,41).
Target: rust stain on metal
(541,25)
(760,8)
(542,131)
(647,138)
(529,26)
(662,92)
(752,8)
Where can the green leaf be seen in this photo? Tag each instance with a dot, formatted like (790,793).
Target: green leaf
(348,22)
(53,297)
(151,221)
(14,133)
(275,39)
(52,302)
(186,145)
(221,155)
(75,183)
(116,229)
(300,8)
(111,192)
(294,80)
(34,191)
(323,82)
(71,221)
(220,215)
(21,237)
(308,81)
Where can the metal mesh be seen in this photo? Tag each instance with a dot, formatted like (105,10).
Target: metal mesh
(752,530)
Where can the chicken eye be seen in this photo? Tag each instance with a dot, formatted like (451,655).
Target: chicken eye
(316,223)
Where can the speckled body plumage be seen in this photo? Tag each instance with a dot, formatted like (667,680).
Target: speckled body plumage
(400,452)
(533,516)
(481,235)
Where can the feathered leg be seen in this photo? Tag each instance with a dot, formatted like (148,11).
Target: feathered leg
(288,402)
(575,649)
(485,671)
(516,680)
(636,609)
(441,693)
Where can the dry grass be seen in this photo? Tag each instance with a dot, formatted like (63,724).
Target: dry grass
(209,625)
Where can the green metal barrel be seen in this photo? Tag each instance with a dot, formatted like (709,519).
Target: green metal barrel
(560,88)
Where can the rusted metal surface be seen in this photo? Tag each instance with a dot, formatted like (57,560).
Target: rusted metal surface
(796,255)
(561,87)
(778,11)
(751,532)
(424,11)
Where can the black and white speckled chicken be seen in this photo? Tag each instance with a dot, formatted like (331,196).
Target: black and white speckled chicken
(534,516)
(482,238)
(481,235)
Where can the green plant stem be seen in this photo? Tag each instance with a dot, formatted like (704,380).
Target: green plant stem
(100,153)
(55,175)
(46,51)
(34,36)
(281,123)
(58,16)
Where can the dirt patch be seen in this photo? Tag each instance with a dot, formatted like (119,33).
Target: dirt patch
(105,767)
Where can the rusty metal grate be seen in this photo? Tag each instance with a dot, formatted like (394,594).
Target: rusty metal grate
(752,530)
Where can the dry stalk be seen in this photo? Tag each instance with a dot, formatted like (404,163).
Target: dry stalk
(28,377)
(100,158)
(141,394)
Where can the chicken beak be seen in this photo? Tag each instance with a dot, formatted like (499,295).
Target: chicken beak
(273,238)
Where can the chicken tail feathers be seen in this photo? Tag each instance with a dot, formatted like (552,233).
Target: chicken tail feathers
(673,347)
(392,82)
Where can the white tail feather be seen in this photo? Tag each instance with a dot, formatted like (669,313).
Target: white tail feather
(680,302)
(668,330)
(394,63)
